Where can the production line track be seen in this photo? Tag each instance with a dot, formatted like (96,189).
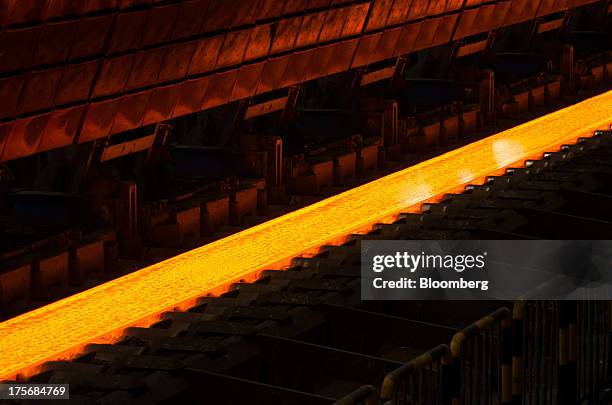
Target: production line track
(101,314)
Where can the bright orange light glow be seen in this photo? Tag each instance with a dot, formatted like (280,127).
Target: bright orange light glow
(64,326)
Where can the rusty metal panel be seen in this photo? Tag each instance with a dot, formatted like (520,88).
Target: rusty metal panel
(485,18)
(366,49)
(190,18)
(453,5)
(272,75)
(145,69)
(176,61)
(343,52)
(436,7)
(500,14)
(418,9)
(294,6)
(160,24)
(161,104)
(54,43)
(466,24)
(245,12)
(334,21)
(320,62)
(219,89)
(355,20)
(233,48)
(218,16)
(378,15)
(297,68)
(310,30)
(24,137)
(10,90)
(128,31)
(388,43)
(530,8)
(63,8)
(206,55)
(427,34)
(130,112)
(76,83)
(259,45)
(91,36)
(546,7)
(97,5)
(472,3)
(399,12)
(5,129)
(98,120)
(445,29)
(16,48)
(269,9)
(23,11)
(286,33)
(247,80)
(190,96)
(408,39)
(39,90)
(560,5)
(113,76)
(62,128)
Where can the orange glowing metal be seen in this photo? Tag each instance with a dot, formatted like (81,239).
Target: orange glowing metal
(64,326)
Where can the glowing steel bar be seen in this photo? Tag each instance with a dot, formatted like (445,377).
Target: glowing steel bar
(64,326)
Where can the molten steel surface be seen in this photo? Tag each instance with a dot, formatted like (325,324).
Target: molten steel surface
(65,326)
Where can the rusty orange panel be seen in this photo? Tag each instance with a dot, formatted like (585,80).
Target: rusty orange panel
(10,90)
(24,137)
(5,129)
(128,30)
(296,68)
(530,9)
(160,24)
(190,18)
(418,9)
(219,89)
(176,61)
(259,44)
(54,43)
(269,9)
(190,96)
(245,12)
(39,90)
(334,21)
(286,33)
(472,3)
(145,69)
(246,82)
(445,29)
(218,16)
(485,18)
(161,104)
(366,49)
(98,120)
(97,5)
(453,5)
(294,6)
(408,39)
(130,112)
(387,45)
(272,75)
(91,36)
(355,20)
(62,8)
(319,62)
(233,48)
(500,14)
(344,53)
(560,5)
(113,76)
(310,30)
(467,22)
(16,48)
(436,7)
(62,128)
(399,12)
(206,55)
(426,34)
(76,83)
(379,14)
